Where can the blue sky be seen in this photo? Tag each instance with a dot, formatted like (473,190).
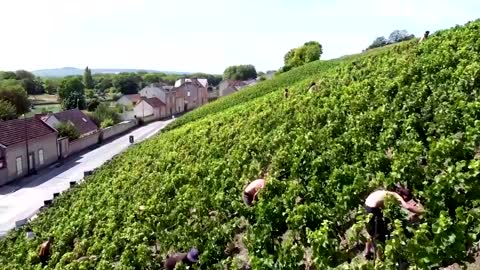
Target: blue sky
(205,35)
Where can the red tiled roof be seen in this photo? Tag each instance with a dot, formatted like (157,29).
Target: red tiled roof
(13,131)
(81,122)
(154,102)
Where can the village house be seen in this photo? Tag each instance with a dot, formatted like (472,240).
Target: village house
(129,100)
(203,82)
(19,137)
(195,93)
(187,94)
(227,87)
(153,107)
(82,123)
(154,90)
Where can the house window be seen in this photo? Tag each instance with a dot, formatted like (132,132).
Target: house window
(40,157)
(2,159)
(19,166)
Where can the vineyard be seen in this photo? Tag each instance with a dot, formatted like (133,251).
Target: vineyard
(408,113)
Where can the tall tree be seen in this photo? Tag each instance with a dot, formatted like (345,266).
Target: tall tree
(309,52)
(149,78)
(51,86)
(213,80)
(7,110)
(13,92)
(127,83)
(23,74)
(378,42)
(103,82)
(240,72)
(87,79)
(31,84)
(72,93)
(399,36)
(7,75)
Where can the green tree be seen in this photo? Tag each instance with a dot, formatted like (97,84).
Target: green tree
(149,78)
(87,79)
(102,82)
(399,36)
(104,112)
(309,52)
(72,93)
(7,75)
(213,79)
(127,83)
(89,93)
(378,42)
(51,86)
(67,130)
(92,104)
(7,110)
(240,72)
(31,84)
(13,92)
(23,74)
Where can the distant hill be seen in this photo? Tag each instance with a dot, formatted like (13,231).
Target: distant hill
(69,71)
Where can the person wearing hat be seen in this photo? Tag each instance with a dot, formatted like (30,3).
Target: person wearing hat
(44,252)
(251,191)
(377,226)
(186,258)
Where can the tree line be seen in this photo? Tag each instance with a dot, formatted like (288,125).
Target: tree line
(395,37)
(78,91)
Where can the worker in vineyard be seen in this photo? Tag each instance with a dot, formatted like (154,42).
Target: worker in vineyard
(286,93)
(251,191)
(312,88)
(425,36)
(377,226)
(30,234)
(188,259)
(45,250)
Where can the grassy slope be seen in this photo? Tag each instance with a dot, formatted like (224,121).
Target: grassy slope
(307,73)
(405,113)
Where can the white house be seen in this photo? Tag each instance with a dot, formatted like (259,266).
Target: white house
(154,90)
(129,100)
(150,107)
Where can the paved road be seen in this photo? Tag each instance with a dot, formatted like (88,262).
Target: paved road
(22,199)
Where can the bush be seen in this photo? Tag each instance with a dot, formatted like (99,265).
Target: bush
(7,110)
(67,130)
(104,112)
(90,93)
(93,104)
(13,92)
(107,123)
(118,108)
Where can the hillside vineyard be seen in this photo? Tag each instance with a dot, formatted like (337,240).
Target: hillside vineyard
(407,113)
